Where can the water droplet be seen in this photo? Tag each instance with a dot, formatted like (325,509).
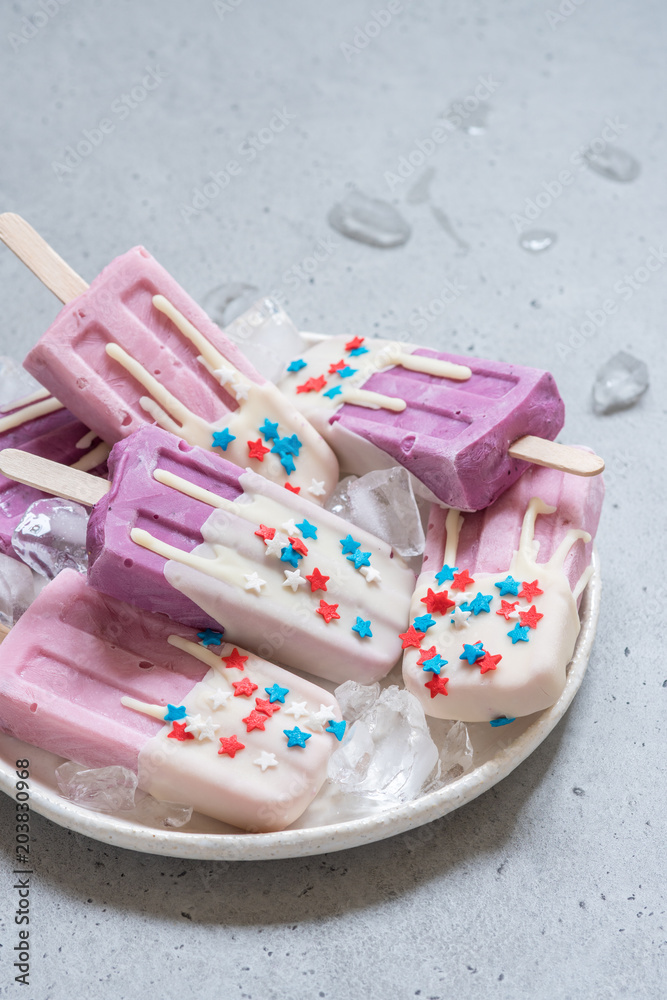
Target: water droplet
(443,221)
(613,163)
(537,240)
(226,302)
(369,220)
(419,192)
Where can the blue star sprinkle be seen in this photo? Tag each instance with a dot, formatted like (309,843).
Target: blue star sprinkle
(435,664)
(307,529)
(501,722)
(519,633)
(269,430)
(362,627)
(336,391)
(209,637)
(276,693)
(508,586)
(337,729)
(472,653)
(349,544)
(423,623)
(287,445)
(360,559)
(446,573)
(347,371)
(296,737)
(287,463)
(480,603)
(290,555)
(222,439)
(356,351)
(296,366)
(174,712)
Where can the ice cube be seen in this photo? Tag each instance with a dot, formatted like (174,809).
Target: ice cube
(14,382)
(268,336)
(153,812)
(383,502)
(355,699)
(103,789)
(456,752)
(619,383)
(369,220)
(51,536)
(226,302)
(19,587)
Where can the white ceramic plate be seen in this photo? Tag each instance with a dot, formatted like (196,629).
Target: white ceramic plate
(497,753)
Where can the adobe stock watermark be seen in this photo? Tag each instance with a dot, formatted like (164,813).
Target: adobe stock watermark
(422,317)
(247,151)
(553,188)
(32,24)
(222,7)
(425,148)
(365,33)
(564,10)
(121,108)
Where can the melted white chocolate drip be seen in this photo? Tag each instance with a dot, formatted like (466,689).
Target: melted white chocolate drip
(32,411)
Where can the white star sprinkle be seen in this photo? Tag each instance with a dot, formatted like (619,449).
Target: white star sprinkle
(298,709)
(240,390)
(202,729)
(275,545)
(224,375)
(317,488)
(253,582)
(318,720)
(371,574)
(293,580)
(290,527)
(266,760)
(460,619)
(218,698)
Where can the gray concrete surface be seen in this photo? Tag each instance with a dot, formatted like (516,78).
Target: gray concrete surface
(552,884)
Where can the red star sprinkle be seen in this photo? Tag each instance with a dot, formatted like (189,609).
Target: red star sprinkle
(256,720)
(328,611)
(243,688)
(298,545)
(292,489)
(257,450)
(317,581)
(234,660)
(266,706)
(488,662)
(425,654)
(506,609)
(334,368)
(411,638)
(461,580)
(437,601)
(312,385)
(530,590)
(530,617)
(353,344)
(230,745)
(265,532)
(179,733)
(437,685)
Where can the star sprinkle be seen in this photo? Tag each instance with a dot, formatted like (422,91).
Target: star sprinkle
(360,559)
(488,662)
(530,590)
(371,574)
(256,720)
(317,581)
(530,617)
(230,745)
(336,390)
(337,729)
(519,634)
(312,385)
(437,685)
(264,705)
(275,545)
(333,368)
(296,366)
(244,688)
(179,732)
(175,712)
(355,352)
(349,544)
(218,697)
(266,760)
(224,375)
(317,488)
(276,693)
(234,661)
(472,653)
(347,371)
(438,602)
(253,582)
(287,462)
(289,554)
(209,637)
(411,638)
(460,618)
(298,545)
(296,737)
(508,610)
(292,444)
(508,586)
(318,720)
(297,709)
(328,611)
(434,664)
(362,628)
(257,450)
(446,573)
(425,654)
(502,721)
(293,489)
(240,390)
(269,430)
(307,529)
(423,623)
(354,344)
(480,603)
(461,580)
(294,580)
(265,533)
(289,526)
(202,730)
(222,439)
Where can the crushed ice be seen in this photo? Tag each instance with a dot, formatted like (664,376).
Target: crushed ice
(619,383)
(51,536)
(114,789)
(382,502)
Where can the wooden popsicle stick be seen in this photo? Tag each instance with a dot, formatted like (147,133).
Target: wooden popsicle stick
(42,259)
(52,477)
(4,632)
(563,457)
